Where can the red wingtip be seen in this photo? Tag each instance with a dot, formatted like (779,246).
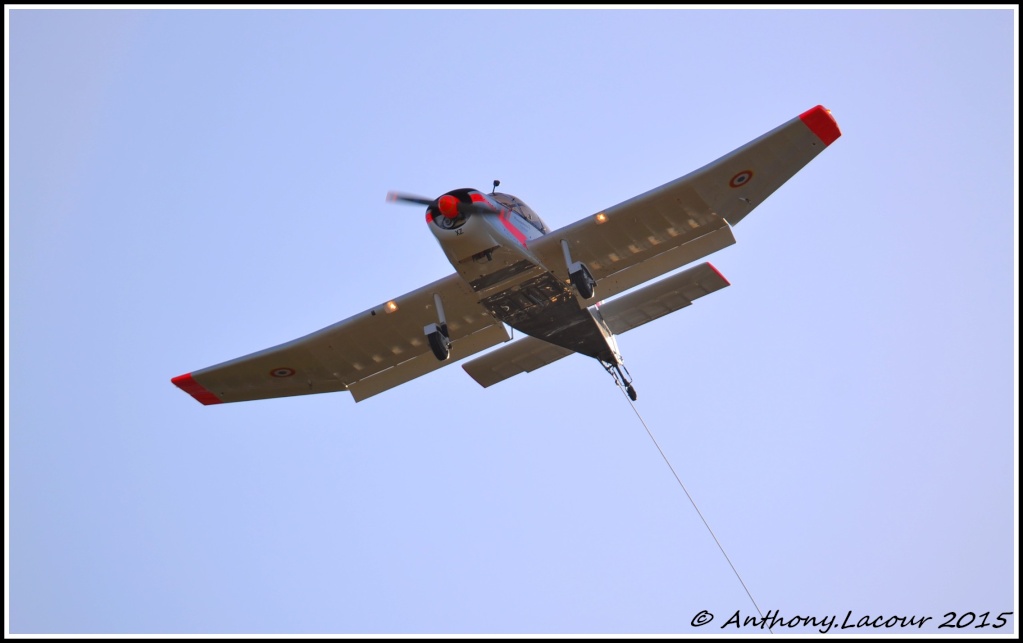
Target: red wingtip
(718,273)
(822,123)
(193,388)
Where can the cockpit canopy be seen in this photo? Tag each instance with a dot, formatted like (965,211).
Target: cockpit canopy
(515,204)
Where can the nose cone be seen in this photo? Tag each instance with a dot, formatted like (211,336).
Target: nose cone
(448,206)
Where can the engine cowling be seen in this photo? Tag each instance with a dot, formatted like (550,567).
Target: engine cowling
(449,211)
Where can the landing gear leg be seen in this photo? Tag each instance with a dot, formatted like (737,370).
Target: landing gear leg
(621,377)
(437,334)
(579,274)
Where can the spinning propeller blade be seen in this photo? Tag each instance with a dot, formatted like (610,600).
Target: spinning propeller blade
(409,198)
(446,204)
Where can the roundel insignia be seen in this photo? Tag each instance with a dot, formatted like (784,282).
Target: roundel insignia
(742,178)
(282,372)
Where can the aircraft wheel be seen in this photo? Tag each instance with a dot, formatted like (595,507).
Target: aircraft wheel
(440,345)
(631,391)
(583,282)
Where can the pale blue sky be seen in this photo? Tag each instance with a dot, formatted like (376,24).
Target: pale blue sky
(189,186)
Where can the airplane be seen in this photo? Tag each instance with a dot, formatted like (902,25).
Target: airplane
(512,270)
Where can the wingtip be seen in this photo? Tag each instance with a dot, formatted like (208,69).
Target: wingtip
(188,384)
(718,273)
(822,124)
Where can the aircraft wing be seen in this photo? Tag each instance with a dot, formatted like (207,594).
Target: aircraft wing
(365,354)
(622,314)
(688,218)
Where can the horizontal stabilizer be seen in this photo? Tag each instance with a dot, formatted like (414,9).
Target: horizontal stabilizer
(660,298)
(621,314)
(522,356)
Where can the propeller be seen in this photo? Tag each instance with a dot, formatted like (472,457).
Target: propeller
(449,206)
(409,198)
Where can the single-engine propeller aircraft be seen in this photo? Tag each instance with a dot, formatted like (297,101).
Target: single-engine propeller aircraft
(512,270)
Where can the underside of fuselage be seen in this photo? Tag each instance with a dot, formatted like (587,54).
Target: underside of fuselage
(546,308)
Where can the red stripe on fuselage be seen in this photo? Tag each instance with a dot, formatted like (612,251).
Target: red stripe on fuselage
(511,227)
(196,390)
(503,217)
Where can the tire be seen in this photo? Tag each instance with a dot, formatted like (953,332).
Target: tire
(583,282)
(631,391)
(440,345)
